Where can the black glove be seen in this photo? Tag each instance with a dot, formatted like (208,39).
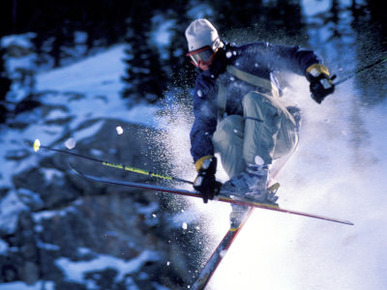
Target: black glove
(205,181)
(321,84)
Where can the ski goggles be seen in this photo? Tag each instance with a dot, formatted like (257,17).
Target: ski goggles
(203,55)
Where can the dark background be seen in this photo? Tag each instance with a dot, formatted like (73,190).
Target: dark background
(108,22)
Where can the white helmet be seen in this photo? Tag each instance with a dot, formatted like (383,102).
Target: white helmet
(201,33)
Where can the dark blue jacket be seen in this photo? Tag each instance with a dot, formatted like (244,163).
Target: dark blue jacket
(261,59)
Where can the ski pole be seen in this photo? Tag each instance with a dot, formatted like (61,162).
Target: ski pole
(381,60)
(37,146)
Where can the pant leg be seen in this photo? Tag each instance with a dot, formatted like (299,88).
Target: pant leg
(228,141)
(270,130)
(287,137)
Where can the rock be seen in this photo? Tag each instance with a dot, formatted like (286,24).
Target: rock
(74,222)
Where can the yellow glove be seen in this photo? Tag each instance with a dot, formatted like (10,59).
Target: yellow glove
(321,84)
(205,181)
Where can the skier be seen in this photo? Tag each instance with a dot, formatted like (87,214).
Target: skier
(238,111)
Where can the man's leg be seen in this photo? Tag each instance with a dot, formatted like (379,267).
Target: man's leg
(265,120)
(287,137)
(228,141)
(270,130)
(252,140)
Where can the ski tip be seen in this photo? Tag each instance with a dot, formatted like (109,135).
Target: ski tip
(344,222)
(36,145)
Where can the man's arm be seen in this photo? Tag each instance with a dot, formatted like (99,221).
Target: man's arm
(306,63)
(205,113)
(202,148)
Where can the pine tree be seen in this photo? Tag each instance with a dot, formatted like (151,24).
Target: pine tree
(145,78)
(5,84)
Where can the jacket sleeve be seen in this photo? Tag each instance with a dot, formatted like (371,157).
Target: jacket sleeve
(294,59)
(205,113)
(284,58)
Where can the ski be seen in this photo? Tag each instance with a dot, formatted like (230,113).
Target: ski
(272,207)
(220,251)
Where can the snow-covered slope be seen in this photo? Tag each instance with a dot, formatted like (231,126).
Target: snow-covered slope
(76,102)
(338,170)
(331,174)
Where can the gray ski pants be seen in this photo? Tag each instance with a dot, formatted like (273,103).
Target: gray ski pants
(265,132)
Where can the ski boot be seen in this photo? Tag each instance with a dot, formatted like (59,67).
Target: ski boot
(238,212)
(250,184)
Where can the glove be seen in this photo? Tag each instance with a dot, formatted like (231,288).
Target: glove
(205,181)
(321,84)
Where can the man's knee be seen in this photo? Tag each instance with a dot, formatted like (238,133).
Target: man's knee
(252,99)
(230,126)
(256,105)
